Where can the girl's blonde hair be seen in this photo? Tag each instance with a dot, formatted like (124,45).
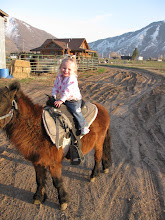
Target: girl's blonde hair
(69,58)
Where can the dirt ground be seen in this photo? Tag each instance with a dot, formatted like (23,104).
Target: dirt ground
(135,186)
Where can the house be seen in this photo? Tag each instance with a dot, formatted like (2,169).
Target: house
(72,46)
(3,16)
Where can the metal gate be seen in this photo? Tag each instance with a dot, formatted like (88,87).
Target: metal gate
(51,63)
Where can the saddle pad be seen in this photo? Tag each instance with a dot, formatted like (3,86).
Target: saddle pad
(53,128)
(89,111)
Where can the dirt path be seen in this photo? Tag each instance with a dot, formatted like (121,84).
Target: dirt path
(135,186)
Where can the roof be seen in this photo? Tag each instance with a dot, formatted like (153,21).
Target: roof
(65,43)
(73,43)
(3,14)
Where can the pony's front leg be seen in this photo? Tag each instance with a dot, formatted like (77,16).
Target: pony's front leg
(58,183)
(40,196)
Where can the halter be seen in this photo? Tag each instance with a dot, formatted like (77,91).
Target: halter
(10,114)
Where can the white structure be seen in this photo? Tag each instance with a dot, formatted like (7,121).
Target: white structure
(139,58)
(3,16)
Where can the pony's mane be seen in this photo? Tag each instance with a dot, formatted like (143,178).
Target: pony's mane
(26,104)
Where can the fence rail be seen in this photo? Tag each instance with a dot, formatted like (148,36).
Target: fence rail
(50,64)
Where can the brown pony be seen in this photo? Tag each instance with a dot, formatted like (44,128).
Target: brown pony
(22,121)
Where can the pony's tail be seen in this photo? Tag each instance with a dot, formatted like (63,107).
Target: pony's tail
(106,158)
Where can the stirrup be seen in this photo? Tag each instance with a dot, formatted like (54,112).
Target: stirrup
(76,155)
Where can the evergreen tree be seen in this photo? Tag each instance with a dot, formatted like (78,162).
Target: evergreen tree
(135,54)
(95,55)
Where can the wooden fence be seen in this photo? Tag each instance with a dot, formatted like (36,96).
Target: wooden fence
(50,64)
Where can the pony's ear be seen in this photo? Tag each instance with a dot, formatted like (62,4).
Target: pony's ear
(13,93)
(15,86)
(4,91)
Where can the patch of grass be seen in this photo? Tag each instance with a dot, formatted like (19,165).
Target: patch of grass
(153,66)
(145,64)
(100,70)
(32,79)
(26,80)
(2,84)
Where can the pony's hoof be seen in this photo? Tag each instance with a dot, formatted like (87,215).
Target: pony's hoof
(63,206)
(106,170)
(36,202)
(92,180)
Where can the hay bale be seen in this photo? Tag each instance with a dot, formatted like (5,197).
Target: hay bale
(20,75)
(27,70)
(22,63)
(20,69)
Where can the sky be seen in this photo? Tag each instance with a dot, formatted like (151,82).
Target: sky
(89,19)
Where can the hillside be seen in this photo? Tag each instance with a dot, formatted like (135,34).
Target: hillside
(21,36)
(150,42)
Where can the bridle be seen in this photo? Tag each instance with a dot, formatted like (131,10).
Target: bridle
(10,114)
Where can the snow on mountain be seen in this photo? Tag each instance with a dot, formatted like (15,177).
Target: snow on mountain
(21,36)
(11,28)
(150,42)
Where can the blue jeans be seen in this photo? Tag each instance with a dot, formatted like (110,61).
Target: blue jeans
(75,109)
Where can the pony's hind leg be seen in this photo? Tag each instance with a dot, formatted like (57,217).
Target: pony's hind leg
(106,159)
(96,170)
(40,196)
(102,153)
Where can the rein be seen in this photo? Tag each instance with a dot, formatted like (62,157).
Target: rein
(10,114)
(7,115)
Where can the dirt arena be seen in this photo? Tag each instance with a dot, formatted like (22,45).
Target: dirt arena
(135,186)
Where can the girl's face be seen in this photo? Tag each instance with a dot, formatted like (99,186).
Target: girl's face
(67,68)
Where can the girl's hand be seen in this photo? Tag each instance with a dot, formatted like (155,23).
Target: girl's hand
(58,103)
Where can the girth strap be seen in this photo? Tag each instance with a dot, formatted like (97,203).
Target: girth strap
(57,132)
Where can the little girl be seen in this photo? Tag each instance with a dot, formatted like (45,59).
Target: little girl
(66,85)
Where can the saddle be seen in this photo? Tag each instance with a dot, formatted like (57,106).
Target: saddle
(60,125)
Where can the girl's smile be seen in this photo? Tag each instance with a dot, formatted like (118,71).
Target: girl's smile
(68,68)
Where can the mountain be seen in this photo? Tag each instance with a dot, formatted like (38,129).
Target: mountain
(150,42)
(20,36)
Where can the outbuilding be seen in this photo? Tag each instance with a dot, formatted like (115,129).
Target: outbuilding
(3,19)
